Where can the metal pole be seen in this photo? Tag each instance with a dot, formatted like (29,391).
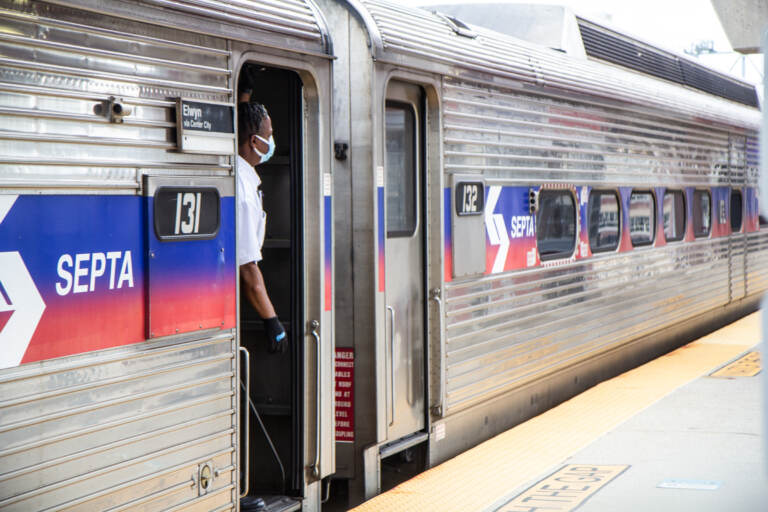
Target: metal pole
(763,187)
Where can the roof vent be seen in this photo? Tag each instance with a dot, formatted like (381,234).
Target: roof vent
(606,45)
(552,26)
(457,25)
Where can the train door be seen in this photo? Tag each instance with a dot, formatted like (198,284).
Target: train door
(404,258)
(738,245)
(273,448)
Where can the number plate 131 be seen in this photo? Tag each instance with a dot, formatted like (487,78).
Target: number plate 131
(186,213)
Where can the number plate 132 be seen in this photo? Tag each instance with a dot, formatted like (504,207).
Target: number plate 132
(470,198)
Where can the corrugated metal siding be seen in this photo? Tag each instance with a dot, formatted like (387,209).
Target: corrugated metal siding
(757,262)
(738,276)
(757,243)
(756,271)
(737,161)
(294,18)
(752,160)
(57,64)
(524,138)
(121,429)
(422,35)
(507,329)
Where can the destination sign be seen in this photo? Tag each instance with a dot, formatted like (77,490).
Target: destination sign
(206,117)
(205,127)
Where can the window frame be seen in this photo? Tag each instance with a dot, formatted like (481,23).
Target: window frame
(685,215)
(562,255)
(653,224)
(617,196)
(406,107)
(730,210)
(698,192)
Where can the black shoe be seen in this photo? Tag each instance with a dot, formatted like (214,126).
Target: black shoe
(252,504)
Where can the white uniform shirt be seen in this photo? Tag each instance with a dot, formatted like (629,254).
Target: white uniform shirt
(251,219)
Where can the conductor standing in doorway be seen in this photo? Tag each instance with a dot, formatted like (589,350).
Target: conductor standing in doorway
(256,145)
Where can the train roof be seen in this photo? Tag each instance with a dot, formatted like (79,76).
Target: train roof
(558,27)
(422,39)
(295,25)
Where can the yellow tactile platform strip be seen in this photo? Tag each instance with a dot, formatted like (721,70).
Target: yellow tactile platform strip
(480,477)
(747,366)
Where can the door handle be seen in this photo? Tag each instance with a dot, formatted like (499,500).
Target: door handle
(244,351)
(314,325)
(435,295)
(392,364)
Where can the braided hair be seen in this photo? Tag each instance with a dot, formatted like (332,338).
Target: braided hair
(249,119)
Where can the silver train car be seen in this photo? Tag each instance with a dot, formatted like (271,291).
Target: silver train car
(521,222)
(125,355)
(464,229)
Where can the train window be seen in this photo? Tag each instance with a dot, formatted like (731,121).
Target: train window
(556,224)
(674,215)
(702,213)
(737,211)
(603,221)
(642,218)
(401,169)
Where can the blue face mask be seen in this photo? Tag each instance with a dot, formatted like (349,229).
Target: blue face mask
(271,151)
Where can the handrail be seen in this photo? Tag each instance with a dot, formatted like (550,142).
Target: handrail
(435,295)
(392,364)
(314,324)
(247,475)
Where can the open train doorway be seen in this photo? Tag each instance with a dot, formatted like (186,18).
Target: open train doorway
(275,414)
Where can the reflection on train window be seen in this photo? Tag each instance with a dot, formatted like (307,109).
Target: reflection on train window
(556,224)
(674,215)
(702,213)
(642,218)
(737,211)
(603,221)
(401,169)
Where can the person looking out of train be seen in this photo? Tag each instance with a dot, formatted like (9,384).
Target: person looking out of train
(256,144)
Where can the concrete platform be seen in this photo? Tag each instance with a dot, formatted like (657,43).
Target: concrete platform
(707,431)
(666,436)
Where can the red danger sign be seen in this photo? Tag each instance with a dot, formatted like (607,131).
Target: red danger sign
(345,396)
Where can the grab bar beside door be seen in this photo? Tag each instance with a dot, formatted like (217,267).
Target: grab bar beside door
(247,475)
(392,365)
(314,325)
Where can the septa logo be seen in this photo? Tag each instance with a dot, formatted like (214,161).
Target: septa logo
(5,313)
(21,305)
(496,229)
